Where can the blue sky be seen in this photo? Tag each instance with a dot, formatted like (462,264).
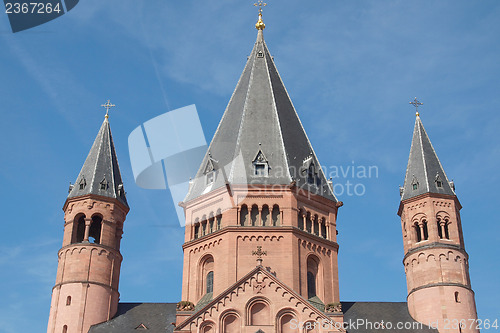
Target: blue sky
(351,67)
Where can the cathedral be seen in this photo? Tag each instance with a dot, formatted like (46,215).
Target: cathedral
(261,247)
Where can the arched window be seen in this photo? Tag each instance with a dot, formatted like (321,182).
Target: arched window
(207,327)
(204,227)
(95,229)
(265,215)
(276,215)
(308,223)
(259,314)
(80,229)
(210,282)
(68,300)
(65,329)
(311,284)
(231,324)
(211,225)
(197,230)
(254,216)
(286,323)
(417,232)
(219,219)
(243,215)
(300,218)
(446,231)
(457,297)
(426,232)
(316,225)
(323,228)
(440,228)
(312,276)
(206,275)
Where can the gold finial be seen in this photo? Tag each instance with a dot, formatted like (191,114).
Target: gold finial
(416,104)
(107,106)
(260,24)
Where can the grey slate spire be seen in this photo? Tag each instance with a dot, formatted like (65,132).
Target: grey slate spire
(260,139)
(424,173)
(100,174)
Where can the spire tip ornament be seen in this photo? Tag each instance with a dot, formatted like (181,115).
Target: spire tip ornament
(416,104)
(107,106)
(260,23)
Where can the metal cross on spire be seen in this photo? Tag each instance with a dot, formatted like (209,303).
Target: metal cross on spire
(260,4)
(259,253)
(416,104)
(107,106)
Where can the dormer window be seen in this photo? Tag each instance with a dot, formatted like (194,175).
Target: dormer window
(260,165)
(260,54)
(104,184)
(82,183)
(438,181)
(260,169)
(414,184)
(209,172)
(210,177)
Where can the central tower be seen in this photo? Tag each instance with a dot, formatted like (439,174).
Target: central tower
(260,213)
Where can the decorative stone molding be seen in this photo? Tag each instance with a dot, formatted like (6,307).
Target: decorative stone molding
(185,306)
(333,308)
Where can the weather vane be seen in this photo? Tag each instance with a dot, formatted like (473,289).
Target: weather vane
(416,104)
(107,106)
(260,24)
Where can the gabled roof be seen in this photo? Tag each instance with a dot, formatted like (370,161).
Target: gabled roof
(100,174)
(132,317)
(253,282)
(157,317)
(424,172)
(387,314)
(260,117)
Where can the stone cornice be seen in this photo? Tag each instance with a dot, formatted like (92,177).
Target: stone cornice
(439,284)
(435,245)
(429,195)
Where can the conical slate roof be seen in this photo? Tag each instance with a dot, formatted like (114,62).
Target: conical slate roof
(100,174)
(424,173)
(260,139)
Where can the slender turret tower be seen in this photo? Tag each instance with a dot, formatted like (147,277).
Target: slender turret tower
(86,289)
(436,263)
